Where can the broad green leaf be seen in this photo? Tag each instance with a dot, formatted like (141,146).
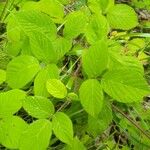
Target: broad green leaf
(38,107)
(118,61)
(94,6)
(76,145)
(11,102)
(2,76)
(36,136)
(63,128)
(91,96)
(95,59)
(29,22)
(51,7)
(26,46)
(97,126)
(10,131)
(13,48)
(125,85)
(97,28)
(106,5)
(48,51)
(13,31)
(21,70)
(61,47)
(122,16)
(56,88)
(75,24)
(65,2)
(42,48)
(49,72)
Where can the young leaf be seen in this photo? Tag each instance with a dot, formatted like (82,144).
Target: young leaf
(122,16)
(11,102)
(62,127)
(95,60)
(125,85)
(2,76)
(97,29)
(38,107)
(75,24)
(56,88)
(21,70)
(11,129)
(91,96)
(48,51)
(50,72)
(36,136)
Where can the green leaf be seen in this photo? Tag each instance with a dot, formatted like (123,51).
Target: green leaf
(122,16)
(91,96)
(10,131)
(94,6)
(36,136)
(11,102)
(97,29)
(38,107)
(73,96)
(61,47)
(95,59)
(106,5)
(63,128)
(42,48)
(48,51)
(76,145)
(21,70)
(125,85)
(14,48)
(49,72)
(13,31)
(97,126)
(75,24)
(51,7)
(56,88)
(29,22)
(2,76)
(119,62)
(64,2)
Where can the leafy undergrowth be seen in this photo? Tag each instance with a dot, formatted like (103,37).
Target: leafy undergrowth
(74,75)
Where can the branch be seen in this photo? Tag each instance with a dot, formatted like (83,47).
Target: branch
(132,121)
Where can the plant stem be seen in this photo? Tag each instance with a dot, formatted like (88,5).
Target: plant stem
(132,121)
(64,105)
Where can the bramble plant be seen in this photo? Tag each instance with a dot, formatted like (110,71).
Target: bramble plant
(72,75)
